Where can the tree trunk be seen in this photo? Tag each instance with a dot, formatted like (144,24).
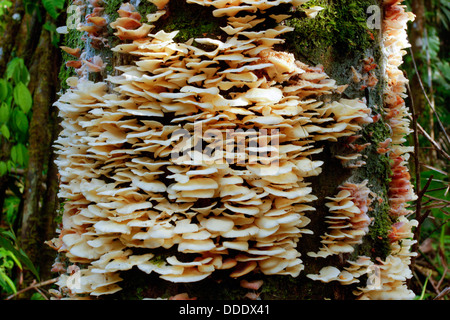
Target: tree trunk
(360,167)
(37,221)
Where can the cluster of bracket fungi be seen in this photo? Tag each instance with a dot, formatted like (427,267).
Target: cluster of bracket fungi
(128,195)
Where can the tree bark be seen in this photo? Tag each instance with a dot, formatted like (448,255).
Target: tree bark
(38,209)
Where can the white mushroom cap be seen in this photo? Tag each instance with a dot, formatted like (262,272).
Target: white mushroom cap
(193,246)
(189,275)
(217,224)
(326,274)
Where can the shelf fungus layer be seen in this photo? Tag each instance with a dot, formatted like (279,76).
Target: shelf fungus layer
(202,149)
(348,221)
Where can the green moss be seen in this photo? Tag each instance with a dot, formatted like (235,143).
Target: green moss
(145,8)
(111,7)
(158,260)
(341,27)
(272,288)
(378,171)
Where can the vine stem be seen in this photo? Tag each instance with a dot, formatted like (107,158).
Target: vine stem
(33,285)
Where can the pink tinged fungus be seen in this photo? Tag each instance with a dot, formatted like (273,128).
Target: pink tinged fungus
(182,296)
(252,285)
(359,147)
(98,21)
(96,65)
(349,221)
(160,4)
(91,29)
(74,64)
(74,52)
(252,296)
(126,10)
(356,76)
(126,23)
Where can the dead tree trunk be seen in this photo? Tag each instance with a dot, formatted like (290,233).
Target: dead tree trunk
(332,232)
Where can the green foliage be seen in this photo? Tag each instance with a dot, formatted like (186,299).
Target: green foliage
(53,7)
(443,14)
(37,296)
(7,261)
(22,97)
(15,109)
(12,256)
(17,71)
(11,209)
(4,7)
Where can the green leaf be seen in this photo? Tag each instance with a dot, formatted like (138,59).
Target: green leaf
(5,242)
(3,89)
(17,71)
(13,65)
(5,131)
(37,296)
(17,154)
(52,7)
(24,152)
(11,205)
(4,113)
(9,165)
(22,97)
(20,120)
(13,154)
(8,253)
(3,168)
(7,280)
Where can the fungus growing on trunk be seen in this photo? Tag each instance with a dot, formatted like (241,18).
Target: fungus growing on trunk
(203,148)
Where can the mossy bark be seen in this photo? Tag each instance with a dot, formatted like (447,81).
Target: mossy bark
(338,38)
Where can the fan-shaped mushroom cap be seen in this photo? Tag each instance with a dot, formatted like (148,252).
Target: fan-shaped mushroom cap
(189,275)
(326,274)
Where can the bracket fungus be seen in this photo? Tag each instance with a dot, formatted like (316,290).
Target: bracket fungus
(348,222)
(137,177)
